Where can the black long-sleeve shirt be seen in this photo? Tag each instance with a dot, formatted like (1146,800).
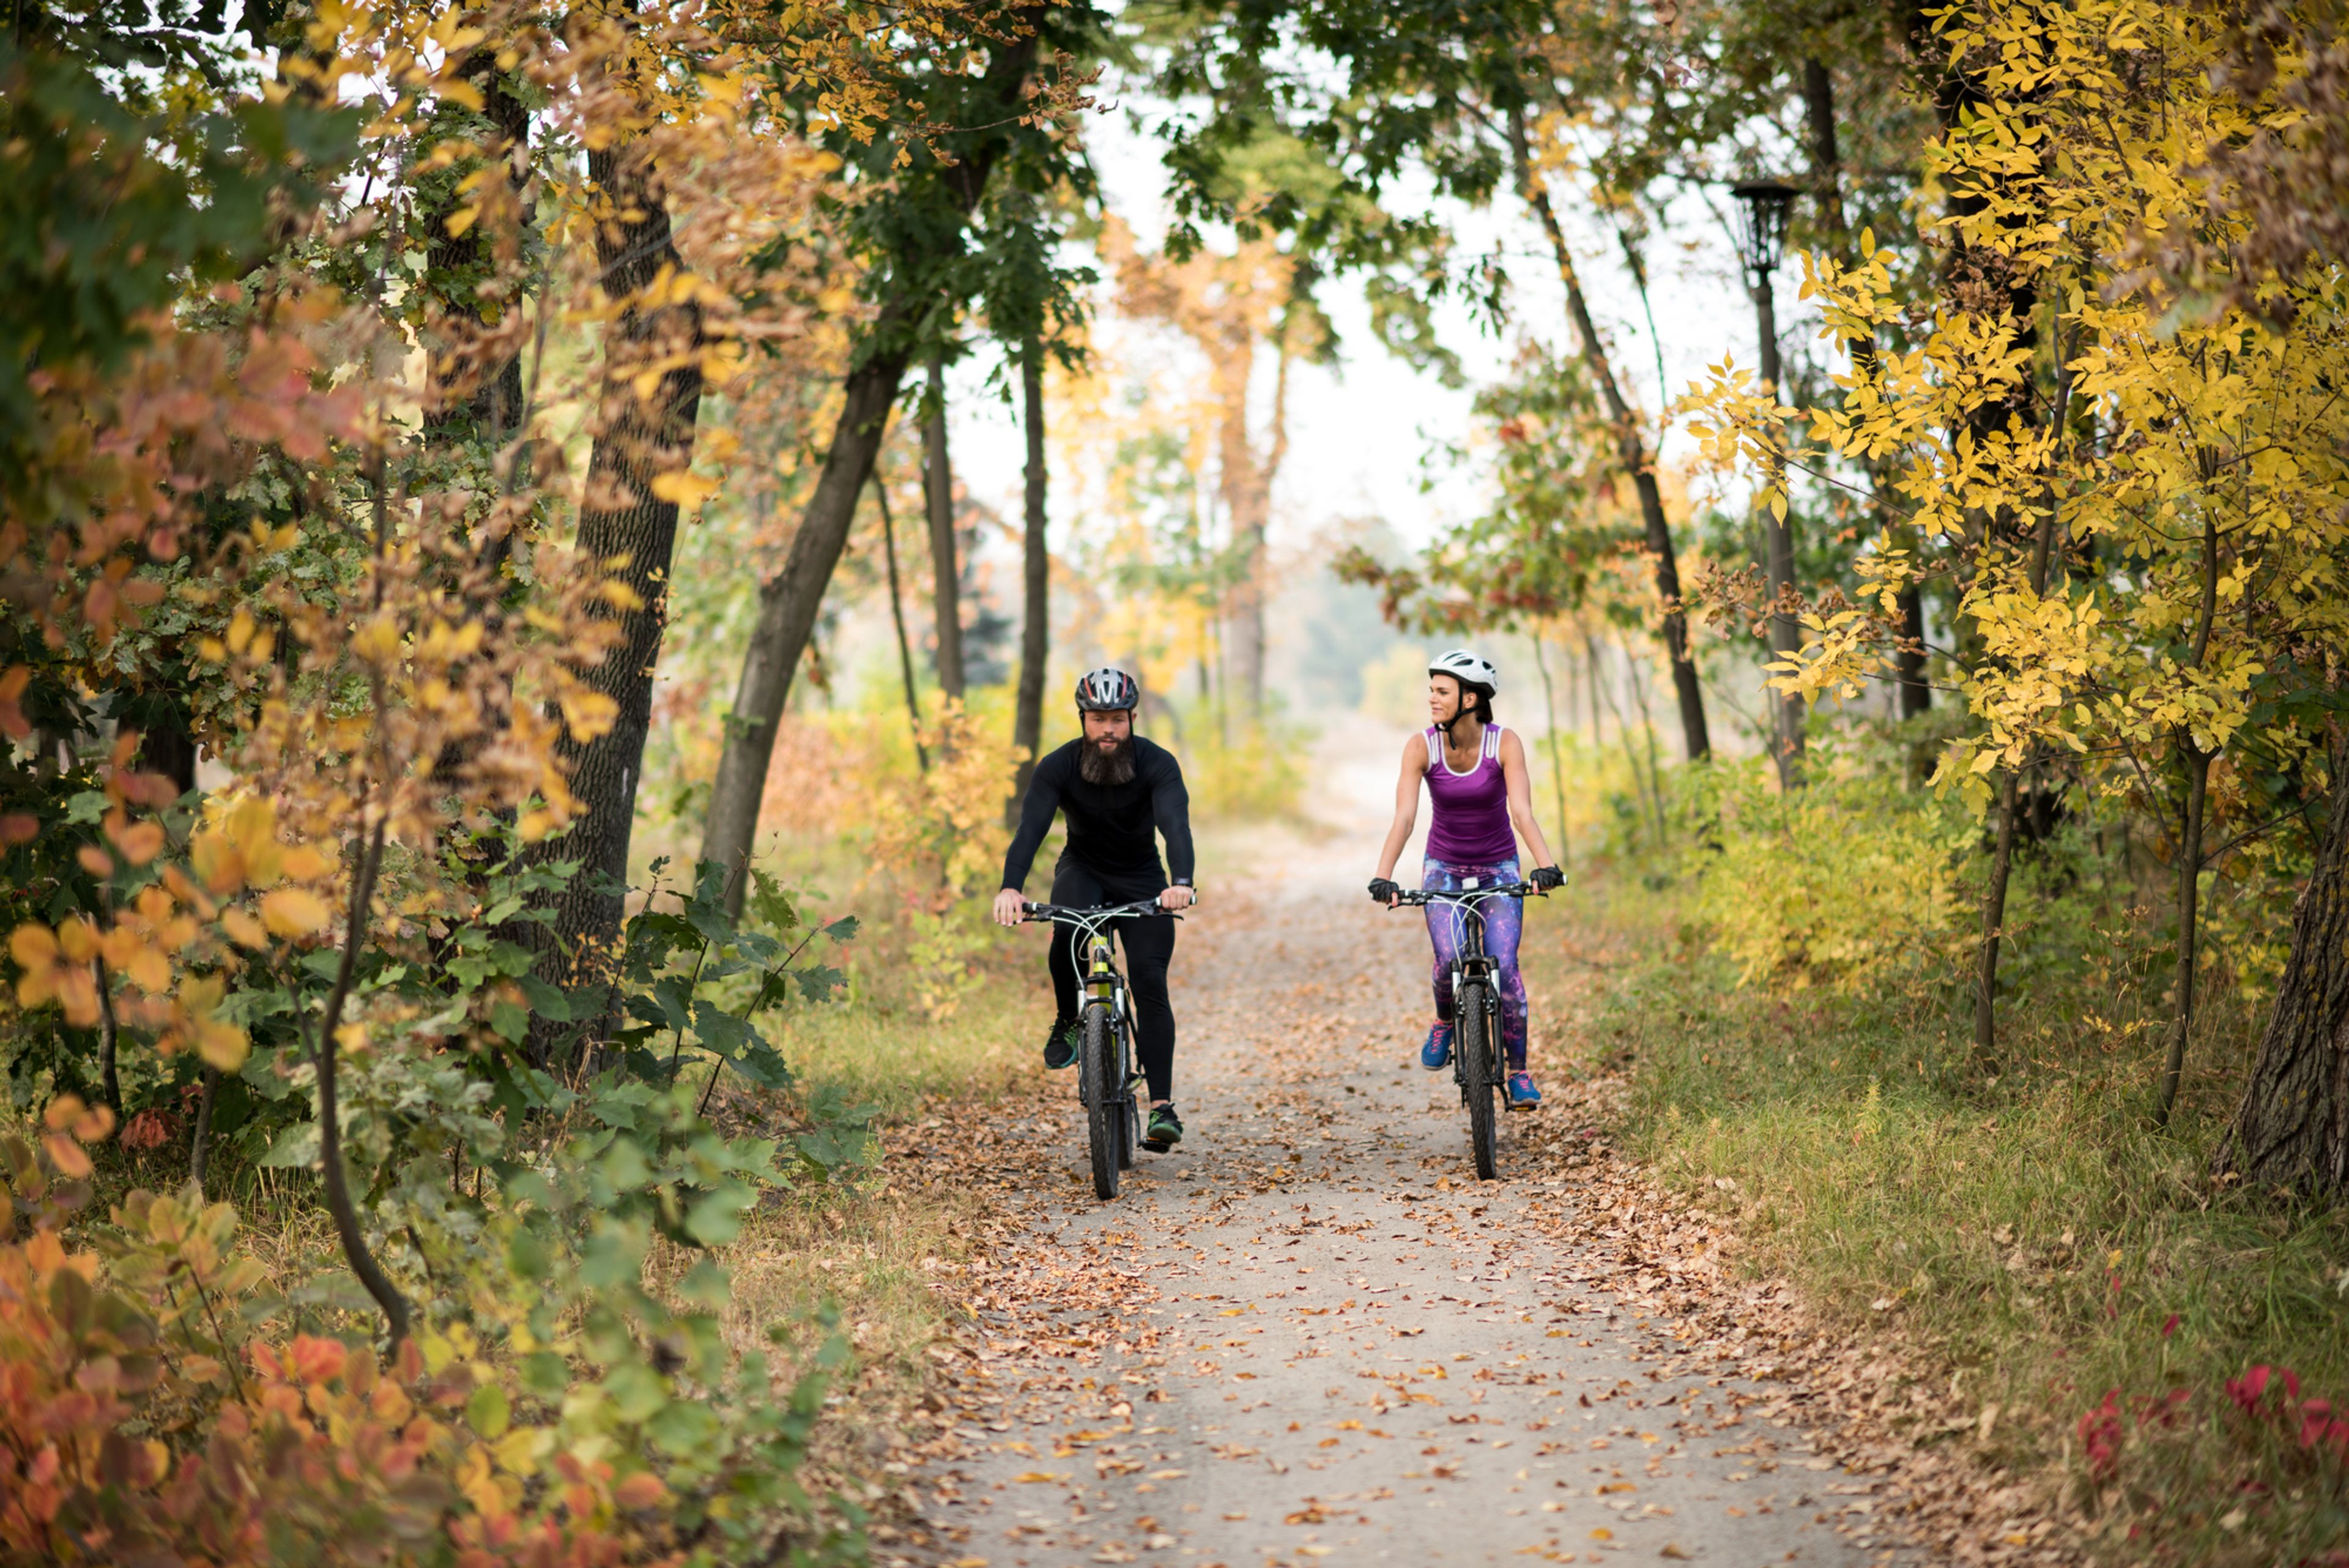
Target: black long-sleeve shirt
(1111,826)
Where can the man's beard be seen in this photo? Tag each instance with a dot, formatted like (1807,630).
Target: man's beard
(1112,766)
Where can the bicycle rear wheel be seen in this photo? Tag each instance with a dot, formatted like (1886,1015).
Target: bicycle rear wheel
(1098,1086)
(1472,1037)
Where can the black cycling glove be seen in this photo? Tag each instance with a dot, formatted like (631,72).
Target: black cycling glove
(1549,877)
(1383,890)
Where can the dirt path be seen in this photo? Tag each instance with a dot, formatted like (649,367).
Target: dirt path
(1309,1336)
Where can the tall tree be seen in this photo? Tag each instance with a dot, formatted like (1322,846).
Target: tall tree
(2291,1131)
(897,620)
(1825,145)
(1631,448)
(1443,95)
(1231,307)
(649,397)
(1035,574)
(946,559)
(916,235)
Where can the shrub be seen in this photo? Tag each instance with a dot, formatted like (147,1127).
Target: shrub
(1853,884)
(574,1419)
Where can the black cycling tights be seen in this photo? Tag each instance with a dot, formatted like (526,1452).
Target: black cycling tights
(1149,943)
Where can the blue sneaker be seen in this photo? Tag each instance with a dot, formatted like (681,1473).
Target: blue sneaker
(1437,1053)
(1523,1096)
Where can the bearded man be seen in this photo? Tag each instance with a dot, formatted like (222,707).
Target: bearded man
(1120,792)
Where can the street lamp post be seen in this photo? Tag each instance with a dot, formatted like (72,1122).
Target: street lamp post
(1762,208)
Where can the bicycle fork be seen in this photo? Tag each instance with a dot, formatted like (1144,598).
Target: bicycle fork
(1475,967)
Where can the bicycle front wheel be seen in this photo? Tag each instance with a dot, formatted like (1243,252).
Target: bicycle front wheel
(1129,1107)
(1472,1037)
(1098,1086)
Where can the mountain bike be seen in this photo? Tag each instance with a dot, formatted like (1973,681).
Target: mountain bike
(1106,1074)
(1476,1012)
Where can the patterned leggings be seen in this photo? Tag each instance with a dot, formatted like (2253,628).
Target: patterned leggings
(1503,921)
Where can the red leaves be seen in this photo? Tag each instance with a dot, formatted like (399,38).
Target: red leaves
(2318,1425)
(2314,1424)
(149,1129)
(2247,1390)
(2100,1437)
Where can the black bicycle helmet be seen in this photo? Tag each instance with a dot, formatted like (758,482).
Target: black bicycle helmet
(1107,690)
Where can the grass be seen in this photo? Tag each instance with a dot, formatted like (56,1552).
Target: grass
(893,1056)
(2037,1231)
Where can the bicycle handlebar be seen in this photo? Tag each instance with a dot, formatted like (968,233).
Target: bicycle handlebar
(1469,895)
(1071,915)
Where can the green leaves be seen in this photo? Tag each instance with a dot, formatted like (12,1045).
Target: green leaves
(102,210)
(488,1412)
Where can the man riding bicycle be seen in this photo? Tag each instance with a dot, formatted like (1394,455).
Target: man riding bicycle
(1119,792)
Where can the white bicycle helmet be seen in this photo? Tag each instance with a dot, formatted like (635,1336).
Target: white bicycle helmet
(1107,690)
(1468,668)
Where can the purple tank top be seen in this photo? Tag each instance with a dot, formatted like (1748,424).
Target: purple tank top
(1471,825)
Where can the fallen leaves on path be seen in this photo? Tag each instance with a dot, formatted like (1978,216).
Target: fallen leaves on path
(1063,1348)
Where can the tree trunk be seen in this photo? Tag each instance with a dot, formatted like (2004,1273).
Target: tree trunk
(1993,926)
(1243,485)
(787,610)
(169,749)
(1248,494)
(2291,1133)
(1826,185)
(325,1053)
(1909,654)
(110,1081)
(1590,680)
(945,560)
(644,437)
(1632,456)
(1786,708)
(473,384)
(1036,580)
(897,617)
(1826,156)
(2002,865)
(2196,763)
(199,1143)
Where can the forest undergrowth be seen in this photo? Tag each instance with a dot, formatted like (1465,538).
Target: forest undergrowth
(2158,1352)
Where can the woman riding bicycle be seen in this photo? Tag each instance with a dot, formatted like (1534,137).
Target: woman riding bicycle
(1477,782)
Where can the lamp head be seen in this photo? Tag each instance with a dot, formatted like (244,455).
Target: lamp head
(1763,206)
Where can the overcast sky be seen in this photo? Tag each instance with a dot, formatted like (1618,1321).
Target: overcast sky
(1361,431)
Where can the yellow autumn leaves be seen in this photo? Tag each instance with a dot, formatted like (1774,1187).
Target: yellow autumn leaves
(2143,501)
(161,943)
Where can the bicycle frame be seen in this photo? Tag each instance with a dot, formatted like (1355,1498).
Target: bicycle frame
(1475,983)
(1474,962)
(1103,981)
(1112,1111)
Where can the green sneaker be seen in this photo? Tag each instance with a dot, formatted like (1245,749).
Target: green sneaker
(1060,1043)
(1164,1131)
